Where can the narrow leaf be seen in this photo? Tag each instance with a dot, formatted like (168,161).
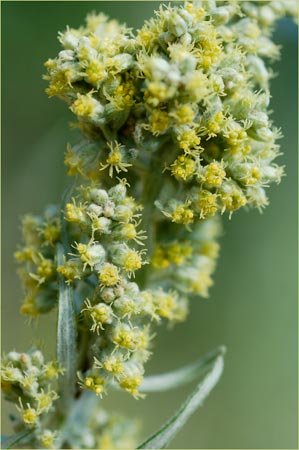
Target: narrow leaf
(167,432)
(180,377)
(11,441)
(66,336)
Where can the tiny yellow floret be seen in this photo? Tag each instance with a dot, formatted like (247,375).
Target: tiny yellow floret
(132,261)
(183,167)
(30,416)
(109,275)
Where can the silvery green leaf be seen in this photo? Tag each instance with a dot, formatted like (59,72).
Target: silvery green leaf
(167,432)
(180,377)
(10,441)
(77,420)
(66,336)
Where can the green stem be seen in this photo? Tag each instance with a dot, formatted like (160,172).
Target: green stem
(77,419)
(11,441)
(150,192)
(84,337)
(66,338)
(153,183)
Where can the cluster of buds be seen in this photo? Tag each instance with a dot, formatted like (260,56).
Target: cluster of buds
(26,381)
(92,72)
(37,256)
(206,90)
(188,265)
(105,430)
(185,101)
(118,311)
(194,80)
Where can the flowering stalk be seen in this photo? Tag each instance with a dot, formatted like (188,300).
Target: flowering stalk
(175,132)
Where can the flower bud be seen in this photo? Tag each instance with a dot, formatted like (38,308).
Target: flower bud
(176,24)
(118,193)
(99,196)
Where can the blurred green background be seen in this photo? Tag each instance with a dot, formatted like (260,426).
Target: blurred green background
(253,305)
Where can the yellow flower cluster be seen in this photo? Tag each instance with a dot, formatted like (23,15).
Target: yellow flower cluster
(26,380)
(204,72)
(175,253)
(182,107)
(116,311)
(37,256)
(184,100)
(188,266)
(194,77)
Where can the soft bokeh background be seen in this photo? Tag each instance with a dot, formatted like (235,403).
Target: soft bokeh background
(253,305)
